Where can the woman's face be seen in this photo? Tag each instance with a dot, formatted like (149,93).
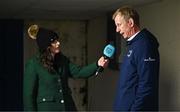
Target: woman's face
(55,47)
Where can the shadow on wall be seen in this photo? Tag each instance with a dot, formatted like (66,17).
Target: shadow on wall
(167,89)
(165,95)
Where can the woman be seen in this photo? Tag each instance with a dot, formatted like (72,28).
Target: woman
(46,74)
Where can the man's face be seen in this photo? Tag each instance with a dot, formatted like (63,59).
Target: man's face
(122,26)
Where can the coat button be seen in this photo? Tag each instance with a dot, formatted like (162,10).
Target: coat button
(60,90)
(44,99)
(59,80)
(62,101)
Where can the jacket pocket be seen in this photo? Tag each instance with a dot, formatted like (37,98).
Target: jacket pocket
(45,99)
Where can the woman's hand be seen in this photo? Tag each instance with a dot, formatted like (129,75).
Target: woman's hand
(103,62)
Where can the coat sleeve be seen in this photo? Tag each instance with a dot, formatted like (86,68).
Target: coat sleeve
(82,72)
(147,59)
(29,87)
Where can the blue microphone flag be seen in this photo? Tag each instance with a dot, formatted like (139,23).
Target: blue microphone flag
(109,51)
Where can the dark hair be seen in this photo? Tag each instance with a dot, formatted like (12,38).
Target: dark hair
(47,60)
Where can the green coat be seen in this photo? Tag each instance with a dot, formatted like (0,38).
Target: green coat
(50,92)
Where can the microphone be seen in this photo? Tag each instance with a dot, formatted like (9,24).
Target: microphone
(107,54)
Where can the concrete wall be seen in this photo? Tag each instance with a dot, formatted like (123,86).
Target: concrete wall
(101,89)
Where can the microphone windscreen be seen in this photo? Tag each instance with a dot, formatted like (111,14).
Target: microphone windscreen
(109,51)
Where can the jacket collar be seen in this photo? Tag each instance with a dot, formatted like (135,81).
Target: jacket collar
(138,36)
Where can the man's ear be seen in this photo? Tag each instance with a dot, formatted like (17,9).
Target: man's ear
(131,22)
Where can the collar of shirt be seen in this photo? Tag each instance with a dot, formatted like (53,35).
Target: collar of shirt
(129,39)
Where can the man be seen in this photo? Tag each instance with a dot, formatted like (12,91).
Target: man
(139,73)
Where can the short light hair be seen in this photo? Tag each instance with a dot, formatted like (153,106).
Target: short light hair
(128,13)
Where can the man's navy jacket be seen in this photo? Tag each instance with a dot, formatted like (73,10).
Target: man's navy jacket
(139,75)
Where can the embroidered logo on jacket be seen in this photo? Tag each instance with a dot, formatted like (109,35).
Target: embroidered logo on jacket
(129,53)
(149,59)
